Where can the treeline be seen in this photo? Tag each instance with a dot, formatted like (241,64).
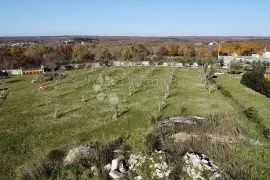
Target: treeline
(59,54)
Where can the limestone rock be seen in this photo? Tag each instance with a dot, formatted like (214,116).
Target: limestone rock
(75,154)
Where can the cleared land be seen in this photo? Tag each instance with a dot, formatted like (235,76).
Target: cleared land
(28,129)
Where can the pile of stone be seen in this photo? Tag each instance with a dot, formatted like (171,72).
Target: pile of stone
(158,167)
(172,121)
(197,165)
(44,87)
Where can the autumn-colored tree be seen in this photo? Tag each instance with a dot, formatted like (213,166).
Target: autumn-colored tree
(33,57)
(189,51)
(181,50)
(52,60)
(162,51)
(202,52)
(249,48)
(173,49)
(225,49)
(17,54)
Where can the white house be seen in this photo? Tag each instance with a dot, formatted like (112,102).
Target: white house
(266,54)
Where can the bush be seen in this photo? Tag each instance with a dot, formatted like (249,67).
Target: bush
(41,78)
(256,81)
(153,141)
(266,131)
(252,114)
(224,91)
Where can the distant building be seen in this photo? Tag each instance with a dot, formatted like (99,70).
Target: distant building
(212,43)
(199,44)
(266,54)
(254,57)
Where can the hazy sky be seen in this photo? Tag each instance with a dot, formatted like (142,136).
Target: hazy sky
(135,17)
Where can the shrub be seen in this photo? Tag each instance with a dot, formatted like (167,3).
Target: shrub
(252,114)
(41,78)
(224,91)
(266,131)
(256,81)
(153,141)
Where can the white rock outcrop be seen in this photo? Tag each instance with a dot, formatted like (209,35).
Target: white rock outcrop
(196,164)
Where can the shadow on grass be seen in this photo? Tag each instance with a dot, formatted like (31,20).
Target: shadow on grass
(174,94)
(3,89)
(165,107)
(14,81)
(124,112)
(68,112)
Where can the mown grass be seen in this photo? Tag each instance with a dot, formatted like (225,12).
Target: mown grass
(29,131)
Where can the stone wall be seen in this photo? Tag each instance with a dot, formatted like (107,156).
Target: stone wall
(13,71)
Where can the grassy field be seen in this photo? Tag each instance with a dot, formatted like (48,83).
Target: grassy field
(246,96)
(29,129)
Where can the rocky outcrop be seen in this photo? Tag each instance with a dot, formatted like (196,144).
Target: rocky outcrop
(134,166)
(172,121)
(198,165)
(183,137)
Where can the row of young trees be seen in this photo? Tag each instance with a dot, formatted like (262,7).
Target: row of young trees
(53,55)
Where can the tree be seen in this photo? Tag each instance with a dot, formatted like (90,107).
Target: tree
(33,56)
(127,52)
(141,52)
(52,60)
(173,49)
(79,51)
(5,58)
(225,49)
(203,53)
(236,66)
(162,51)
(249,48)
(189,51)
(106,55)
(17,54)
(66,50)
(181,50)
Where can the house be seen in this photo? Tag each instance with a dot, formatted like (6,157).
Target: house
(212,43)
(267,74)
(266,54)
